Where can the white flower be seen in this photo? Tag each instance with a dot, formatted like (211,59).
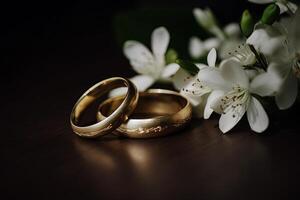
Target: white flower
(237,98)
(284,5)
(224,41)
(283,55)
(198,94)
(150,65)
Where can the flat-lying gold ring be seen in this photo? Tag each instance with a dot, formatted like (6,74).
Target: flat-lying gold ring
(115,119)
(158,113)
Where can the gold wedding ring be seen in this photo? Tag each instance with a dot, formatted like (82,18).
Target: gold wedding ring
(115,119)
(158,113)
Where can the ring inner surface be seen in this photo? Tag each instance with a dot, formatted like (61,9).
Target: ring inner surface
(84,113)
(150,105)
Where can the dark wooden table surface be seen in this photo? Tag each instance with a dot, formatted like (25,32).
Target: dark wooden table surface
(41,157)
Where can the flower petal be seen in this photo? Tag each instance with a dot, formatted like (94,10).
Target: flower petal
(293,7)
(215,104)
(288,92)
(205,18)
(231,118)
(233,72)
(139,56)
(267,40)
(201,66)
(212,78)
(227,46)
(212,57)
(170,70)
(195,87)
(266,84)
(252,73)
(232,30)
(212,43)
(194,100)
(196,48)
(282,7)
(118,92)
(142,82)
(280,69)
(257,116)
(180,79)
(294,31)
(211,98)
(160,39)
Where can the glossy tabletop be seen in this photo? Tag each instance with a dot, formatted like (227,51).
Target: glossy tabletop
(42,159)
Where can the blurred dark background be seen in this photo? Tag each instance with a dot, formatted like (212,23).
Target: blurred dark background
(44,39)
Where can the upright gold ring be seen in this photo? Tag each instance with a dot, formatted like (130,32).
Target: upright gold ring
(158,113)
(115,119)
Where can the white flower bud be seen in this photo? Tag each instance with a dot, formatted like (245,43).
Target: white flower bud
(207,20)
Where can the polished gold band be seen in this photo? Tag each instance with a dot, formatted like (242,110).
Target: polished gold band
(115,119)
(158,113)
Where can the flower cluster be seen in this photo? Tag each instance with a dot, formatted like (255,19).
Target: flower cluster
(245,63)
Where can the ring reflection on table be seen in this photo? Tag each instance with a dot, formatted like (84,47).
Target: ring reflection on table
(159,112)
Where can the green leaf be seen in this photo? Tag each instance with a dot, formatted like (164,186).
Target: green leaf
(188,66)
